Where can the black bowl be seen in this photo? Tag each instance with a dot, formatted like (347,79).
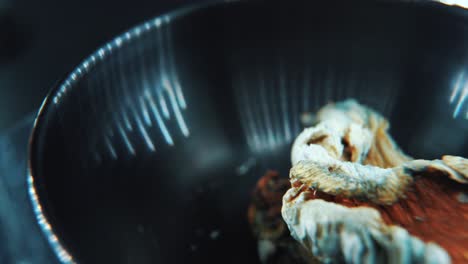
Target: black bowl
(148,151)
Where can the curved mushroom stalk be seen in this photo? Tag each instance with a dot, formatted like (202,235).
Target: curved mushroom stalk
(371,183)
(352,180)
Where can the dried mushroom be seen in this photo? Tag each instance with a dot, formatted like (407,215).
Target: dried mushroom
(275,245)
(355,197)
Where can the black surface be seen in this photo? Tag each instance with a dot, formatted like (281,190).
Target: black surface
(247,72)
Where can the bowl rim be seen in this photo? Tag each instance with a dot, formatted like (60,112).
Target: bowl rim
(60,88)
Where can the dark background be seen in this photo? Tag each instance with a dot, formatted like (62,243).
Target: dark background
(41,41)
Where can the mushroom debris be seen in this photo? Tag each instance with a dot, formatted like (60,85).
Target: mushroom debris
(275,245)
(355,197)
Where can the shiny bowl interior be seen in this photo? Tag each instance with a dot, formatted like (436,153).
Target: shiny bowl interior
(148,151)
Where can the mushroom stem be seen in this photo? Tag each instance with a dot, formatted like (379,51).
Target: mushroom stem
(366,182)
